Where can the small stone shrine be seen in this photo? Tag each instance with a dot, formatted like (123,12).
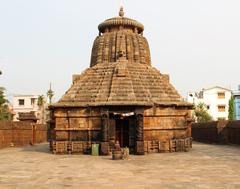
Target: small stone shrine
(121,98)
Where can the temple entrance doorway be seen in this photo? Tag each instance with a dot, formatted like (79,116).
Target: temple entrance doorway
(122,132)
(122,128)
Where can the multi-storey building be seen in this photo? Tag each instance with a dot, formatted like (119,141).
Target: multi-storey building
(27,104)
(216,100)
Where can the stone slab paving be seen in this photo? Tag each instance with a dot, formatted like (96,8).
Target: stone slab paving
(205,166)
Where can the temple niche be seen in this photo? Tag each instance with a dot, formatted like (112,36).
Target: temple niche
(121,97)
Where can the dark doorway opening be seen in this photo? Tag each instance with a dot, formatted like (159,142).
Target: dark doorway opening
(122,132)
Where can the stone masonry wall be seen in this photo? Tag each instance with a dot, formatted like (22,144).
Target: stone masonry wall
(217,132)
(21,133)
(163,125)
(77,124)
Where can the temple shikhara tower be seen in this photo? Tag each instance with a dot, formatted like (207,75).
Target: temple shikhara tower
(121,97)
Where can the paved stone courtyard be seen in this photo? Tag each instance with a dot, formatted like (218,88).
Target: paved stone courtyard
(205,166)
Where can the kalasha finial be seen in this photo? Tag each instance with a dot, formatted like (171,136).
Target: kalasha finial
(121,12)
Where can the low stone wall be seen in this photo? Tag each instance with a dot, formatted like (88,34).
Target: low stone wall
(233,131)
(21,133)
(222,132)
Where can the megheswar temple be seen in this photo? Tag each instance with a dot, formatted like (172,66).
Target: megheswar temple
(121,98)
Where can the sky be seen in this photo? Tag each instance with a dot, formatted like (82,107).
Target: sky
(196,42)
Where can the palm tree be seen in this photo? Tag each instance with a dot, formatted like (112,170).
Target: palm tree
(50,94)
(41,100)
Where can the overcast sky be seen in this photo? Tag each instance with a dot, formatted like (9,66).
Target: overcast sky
(197,42)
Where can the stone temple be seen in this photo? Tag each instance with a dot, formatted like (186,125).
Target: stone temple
(121,97)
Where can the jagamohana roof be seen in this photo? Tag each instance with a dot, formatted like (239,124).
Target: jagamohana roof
(121,83)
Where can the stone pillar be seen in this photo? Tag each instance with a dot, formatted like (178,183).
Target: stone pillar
(112,132)
(105,128)
(139,135)
(105,137)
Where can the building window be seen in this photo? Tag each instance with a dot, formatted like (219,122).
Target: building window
(208,107)
(221,108)
(21,102)
(221,95)
(32,101)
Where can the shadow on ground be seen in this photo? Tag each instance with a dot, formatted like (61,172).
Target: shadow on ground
(43,148)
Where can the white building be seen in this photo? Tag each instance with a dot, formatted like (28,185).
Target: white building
(216,100)
(26,104)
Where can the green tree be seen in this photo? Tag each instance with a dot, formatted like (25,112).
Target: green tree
(4,110)
(41,100)
(201,113)
(50,94)
(231,109)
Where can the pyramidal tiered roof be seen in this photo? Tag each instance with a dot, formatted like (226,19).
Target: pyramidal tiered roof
(120,71)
